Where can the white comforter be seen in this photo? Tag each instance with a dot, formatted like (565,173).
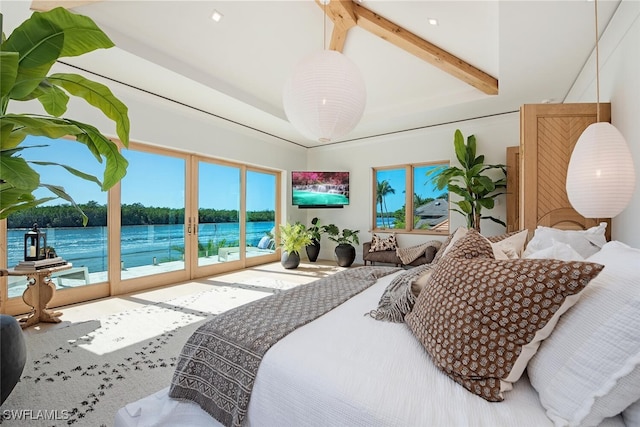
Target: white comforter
(347,369)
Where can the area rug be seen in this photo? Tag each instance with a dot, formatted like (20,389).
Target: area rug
(82,374)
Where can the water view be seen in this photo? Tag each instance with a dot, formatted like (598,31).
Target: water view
(140,244)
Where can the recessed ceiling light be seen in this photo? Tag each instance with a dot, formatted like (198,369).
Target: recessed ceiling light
(432,21)
(216,16)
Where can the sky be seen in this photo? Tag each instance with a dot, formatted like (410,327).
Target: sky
(152,179)
(397,180)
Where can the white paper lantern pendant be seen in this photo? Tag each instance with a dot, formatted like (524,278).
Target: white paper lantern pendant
(600,178)
(325,96)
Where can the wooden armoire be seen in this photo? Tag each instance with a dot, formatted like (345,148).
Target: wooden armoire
(537,169)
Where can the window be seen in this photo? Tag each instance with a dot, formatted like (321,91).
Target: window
(84,247)
(405,199)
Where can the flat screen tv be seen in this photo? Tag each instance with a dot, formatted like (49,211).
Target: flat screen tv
(315,189)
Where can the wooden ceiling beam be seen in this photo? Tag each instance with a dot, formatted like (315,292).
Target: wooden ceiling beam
(343,17)
(345,14)
(425,50)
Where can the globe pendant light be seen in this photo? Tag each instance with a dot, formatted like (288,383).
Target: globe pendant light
(325,96)
(600,177)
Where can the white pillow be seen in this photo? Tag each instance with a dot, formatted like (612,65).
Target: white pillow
(588,369)
(631,415)
(510,247)
(557,250)
(585,242)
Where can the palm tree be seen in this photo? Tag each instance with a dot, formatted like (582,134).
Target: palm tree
(384,189)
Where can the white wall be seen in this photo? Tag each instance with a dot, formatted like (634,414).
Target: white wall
(493,135)
(619,84)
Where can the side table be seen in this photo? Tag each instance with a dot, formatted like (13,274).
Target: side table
(39,292)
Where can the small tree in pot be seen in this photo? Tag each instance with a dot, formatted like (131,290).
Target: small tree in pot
(293,237)
(345,251)
(315,232)
(477,189)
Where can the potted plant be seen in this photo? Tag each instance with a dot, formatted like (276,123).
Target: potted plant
(293,237)
(315,232)
(477,189)
(26,58)
(345,251)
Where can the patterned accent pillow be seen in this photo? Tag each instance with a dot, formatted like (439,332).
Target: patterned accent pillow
(482,319)
(447,243)
(471,245)
(380,244)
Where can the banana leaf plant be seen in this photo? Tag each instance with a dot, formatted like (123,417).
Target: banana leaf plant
(26,58)
(471,182)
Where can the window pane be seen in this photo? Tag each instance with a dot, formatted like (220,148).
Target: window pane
(84,247)
(152,215)
(218,213)
(430,205)
(261,209)
(390,198)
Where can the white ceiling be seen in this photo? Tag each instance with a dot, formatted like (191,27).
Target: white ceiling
(236,68)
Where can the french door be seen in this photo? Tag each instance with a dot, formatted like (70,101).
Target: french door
(233,216)
(173,217)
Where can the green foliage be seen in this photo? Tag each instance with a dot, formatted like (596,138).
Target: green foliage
(383,189)
(316,230)
(345,236)
(133,214)
(477,189)
(294,237)
(26,57)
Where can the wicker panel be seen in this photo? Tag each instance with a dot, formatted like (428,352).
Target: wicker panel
(556,138)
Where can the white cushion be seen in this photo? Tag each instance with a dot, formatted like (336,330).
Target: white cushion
(631,415)
(588,369)
(585,242)
(510,247)
(264,242)
(558,250)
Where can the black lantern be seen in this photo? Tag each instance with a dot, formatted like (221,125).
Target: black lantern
(35,244)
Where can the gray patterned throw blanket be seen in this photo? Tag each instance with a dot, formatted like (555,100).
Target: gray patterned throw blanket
(218,364)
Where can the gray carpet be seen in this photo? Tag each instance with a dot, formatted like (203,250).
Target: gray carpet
(82,374)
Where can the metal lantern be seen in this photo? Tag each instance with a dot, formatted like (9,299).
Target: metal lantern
(35,244)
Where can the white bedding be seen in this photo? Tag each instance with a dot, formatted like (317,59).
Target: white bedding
(347,369)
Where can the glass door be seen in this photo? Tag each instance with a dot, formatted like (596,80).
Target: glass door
(261,204)
(218,214)
(152,219)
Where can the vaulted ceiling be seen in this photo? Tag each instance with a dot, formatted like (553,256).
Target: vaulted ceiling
(482,58)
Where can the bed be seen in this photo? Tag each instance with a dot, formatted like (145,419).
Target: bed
(346,367)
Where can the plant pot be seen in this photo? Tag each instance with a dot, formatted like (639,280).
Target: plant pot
(345,254)
(313,250)
(290,260)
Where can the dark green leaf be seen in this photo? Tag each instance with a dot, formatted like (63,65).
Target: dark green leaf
(41,126)
(71,170)
(53,99)
(461,150)
(100,97)
(61,193)
(16,172)
(8,72)
(116,166)
(465,206)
